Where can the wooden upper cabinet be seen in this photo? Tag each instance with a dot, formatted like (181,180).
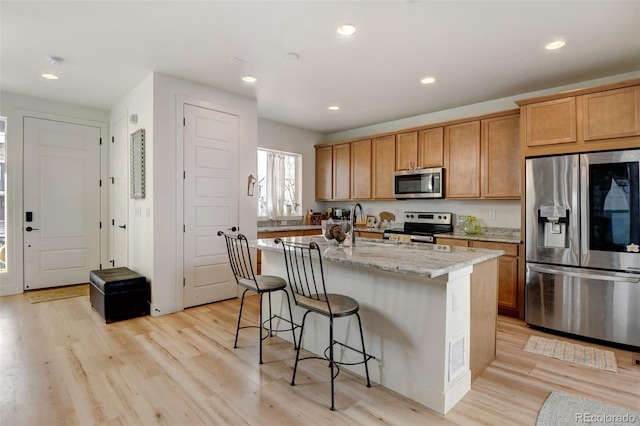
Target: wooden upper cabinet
(551,122)
(431,147)
(324,173)
(342,171)
(500,150)
(462,160)
(361,169)
(383,162)
(611,114)
(406,150)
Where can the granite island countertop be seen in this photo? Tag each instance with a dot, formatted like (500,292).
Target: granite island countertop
(498,235)
(424,260)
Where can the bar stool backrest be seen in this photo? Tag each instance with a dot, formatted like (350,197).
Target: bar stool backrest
(240,257)
(305,274)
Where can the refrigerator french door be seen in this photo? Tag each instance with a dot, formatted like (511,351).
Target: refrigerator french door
(582,245)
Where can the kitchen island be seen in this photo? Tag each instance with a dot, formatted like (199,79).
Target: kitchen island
(428,313)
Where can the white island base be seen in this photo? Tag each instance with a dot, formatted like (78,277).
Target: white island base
(417,328)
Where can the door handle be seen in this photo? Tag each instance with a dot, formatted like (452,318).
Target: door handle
(234,229)
(29,229)
(618,277)
(122,226)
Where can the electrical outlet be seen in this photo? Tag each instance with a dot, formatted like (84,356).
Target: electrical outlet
(492,215)
(635,359)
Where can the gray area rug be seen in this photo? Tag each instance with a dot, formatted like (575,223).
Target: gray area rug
(564,409)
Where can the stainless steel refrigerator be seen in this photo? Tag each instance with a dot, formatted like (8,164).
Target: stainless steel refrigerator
(583,245)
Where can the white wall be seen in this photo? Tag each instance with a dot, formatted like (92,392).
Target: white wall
(488,107)
(283,137)
(507,211)
(15,107)
(169,94)
(140,227)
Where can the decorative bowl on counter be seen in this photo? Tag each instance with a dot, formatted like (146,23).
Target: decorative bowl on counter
(337,232)
(471,225)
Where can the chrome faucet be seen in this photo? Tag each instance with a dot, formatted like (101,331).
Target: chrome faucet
(353,222)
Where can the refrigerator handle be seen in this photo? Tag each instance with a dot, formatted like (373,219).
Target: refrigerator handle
(584,209)
(617,278)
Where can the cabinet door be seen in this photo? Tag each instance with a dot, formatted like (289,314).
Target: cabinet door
(383,162)
(341,171)
(500,152)
(551,122)
(361,170)
(406,150)
(507,272)
(324,173)
(431,147)
(462,160)
(508,282)
(611,114)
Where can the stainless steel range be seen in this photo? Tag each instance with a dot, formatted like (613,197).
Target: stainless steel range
(420,227)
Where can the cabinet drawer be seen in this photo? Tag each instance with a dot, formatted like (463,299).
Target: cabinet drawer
(365,234)
(509,249)
(274,234)
(313,232)
(452,242)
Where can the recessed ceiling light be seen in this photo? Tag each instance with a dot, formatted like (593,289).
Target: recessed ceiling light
(428,80)
(249,79)
(334,108)
(346,29)
(50,76)
(555,45)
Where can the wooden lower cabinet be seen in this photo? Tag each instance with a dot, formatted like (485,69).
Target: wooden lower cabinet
(368,234)
(510,289)
(276,234)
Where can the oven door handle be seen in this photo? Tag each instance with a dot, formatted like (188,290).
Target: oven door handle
(626,278)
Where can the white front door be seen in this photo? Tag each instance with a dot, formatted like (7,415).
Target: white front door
(119,193)
(210,203)
(61,217)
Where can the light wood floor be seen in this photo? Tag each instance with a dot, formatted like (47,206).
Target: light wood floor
(60,364)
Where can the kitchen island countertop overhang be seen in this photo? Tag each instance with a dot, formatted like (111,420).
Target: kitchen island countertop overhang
(422,260)
(428,312)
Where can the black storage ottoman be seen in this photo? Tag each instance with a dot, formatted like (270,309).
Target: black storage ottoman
(118,294)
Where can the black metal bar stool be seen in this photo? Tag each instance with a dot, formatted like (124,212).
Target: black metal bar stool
(242,267)
(306,280)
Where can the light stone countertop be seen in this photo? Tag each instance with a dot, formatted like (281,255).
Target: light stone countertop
(423,260)
(494,237)
(498,235)
(283,228)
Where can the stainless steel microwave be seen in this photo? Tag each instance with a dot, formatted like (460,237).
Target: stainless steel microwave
(419,183)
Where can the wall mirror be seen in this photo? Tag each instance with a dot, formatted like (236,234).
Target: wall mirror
(137,164)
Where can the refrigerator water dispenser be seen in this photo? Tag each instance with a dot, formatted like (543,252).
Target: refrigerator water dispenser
(553,225)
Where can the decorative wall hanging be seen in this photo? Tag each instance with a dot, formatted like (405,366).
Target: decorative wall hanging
(137,164)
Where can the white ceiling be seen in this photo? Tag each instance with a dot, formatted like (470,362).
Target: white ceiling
(477,50)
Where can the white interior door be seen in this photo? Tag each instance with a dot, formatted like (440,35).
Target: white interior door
(120,194)
(210,203)
(61,202)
